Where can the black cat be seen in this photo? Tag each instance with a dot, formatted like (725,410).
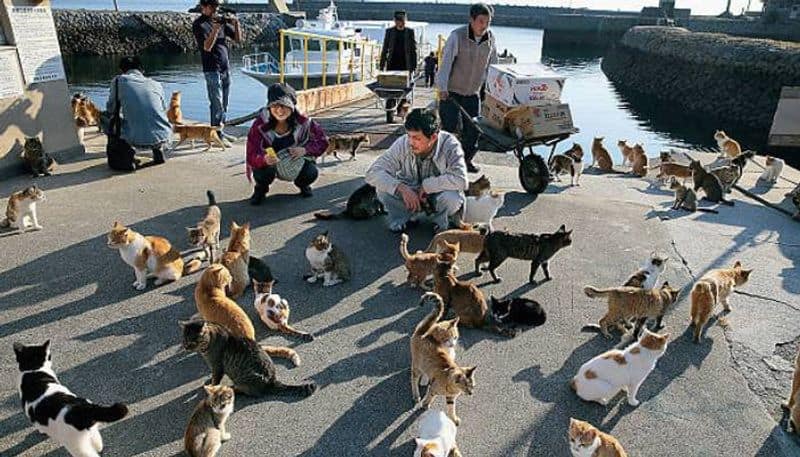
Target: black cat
(362,204)
(259,270)
(520,311)
(500,245)
(709,183)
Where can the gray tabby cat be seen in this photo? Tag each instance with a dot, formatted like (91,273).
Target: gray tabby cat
(709,183)
(206,430)
(242,359)
(36,160)
(327,261)
(206,233)
(728,176)
(686,198)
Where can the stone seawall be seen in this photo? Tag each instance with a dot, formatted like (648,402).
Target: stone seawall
(732,79)
(90,32)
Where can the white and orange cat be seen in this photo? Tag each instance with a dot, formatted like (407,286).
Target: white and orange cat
(274,310)
(793,404)
(713,288)
(586,440)
(237,259)
(147,255)
(21,209)
(728,146)
(601,378)
(437,436)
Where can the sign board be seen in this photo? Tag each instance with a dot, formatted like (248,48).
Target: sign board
(37,43)
(10,83)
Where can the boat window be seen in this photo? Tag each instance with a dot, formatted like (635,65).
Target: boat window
(313,45)
(332,45)
(297,43)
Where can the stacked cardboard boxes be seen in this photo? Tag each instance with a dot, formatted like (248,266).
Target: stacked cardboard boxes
(525,100)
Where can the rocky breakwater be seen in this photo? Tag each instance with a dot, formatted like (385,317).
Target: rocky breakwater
(87,32)
(734,80)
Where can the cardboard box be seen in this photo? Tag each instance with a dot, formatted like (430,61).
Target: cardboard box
(539,121)
(494,112)
(393,79)
(524,84)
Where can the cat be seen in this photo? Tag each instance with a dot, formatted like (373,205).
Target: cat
(361,205)
(206,430)
(714,287)
(344,142)
(585,440)
(727,146)
(236,259)
(36,160)
(146,254)
(274,311)
(174,113)
(570,162)
(519,310)
(21,210)
(793,403)
(465,298)
(403,108)
(709,183)
(670,170)
(258,270)
(626,151)
(740,161)
(600,155)
(245,362)
(647,276)
(437,436)
(539,249)
(54,410)
(686,198)
(482,210)
(480,186)
(206,233)
(728,176)
(468,241)
(206,133)
(773,170)
(422,264)
(626,303)
(327,261)
(639,161)
(601,378)
(85,112)
(433,356)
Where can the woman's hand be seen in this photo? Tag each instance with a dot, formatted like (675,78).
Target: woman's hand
(270,160)
(297,152)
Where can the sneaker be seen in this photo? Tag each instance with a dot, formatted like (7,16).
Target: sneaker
(472,168)
(397,227)
(306,192)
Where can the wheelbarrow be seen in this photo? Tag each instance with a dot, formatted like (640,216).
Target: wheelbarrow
(384,94)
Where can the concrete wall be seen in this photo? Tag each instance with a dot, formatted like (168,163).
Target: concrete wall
(753,29)
(43,110)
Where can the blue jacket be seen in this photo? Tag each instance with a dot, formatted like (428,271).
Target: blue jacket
(143,110)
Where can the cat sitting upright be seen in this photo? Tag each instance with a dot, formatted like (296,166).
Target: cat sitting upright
(728,146)
(36,160)
(174,113)
(327,261)
(709,183)
(146,254)
(206,430)
(479,187)
(773,170)
(600,155)
(54,410)
(21,209)
(538,249)
(483,209)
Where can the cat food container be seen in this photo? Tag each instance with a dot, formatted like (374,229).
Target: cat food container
(393,79)
(539,121)
(524,84)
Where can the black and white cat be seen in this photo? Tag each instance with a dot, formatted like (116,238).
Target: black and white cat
(54,410)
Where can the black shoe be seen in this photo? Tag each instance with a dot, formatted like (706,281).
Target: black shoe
(306,192)
(472,168)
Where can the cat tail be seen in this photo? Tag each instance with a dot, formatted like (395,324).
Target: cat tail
(303,390)
(87,414)
(591,328)
(404,246)
(283,353)
(192,266)
(432,318)
(327,215)
(708,210)
(212,199)
(594,292)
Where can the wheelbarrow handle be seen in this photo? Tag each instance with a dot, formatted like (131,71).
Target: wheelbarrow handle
(477,127)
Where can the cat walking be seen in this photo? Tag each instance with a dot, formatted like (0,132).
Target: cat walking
(538,249)
(422,264)
(715,287)
(206,233)
(626,303)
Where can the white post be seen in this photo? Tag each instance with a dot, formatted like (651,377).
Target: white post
(116,6)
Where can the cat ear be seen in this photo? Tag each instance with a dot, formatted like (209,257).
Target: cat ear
(209,389)
(234,226)
(246,226)
(18,347)
(737,265)
(562,229)
(183,324)
(325,234)
(117,225)
(665,285)
(665,336)
(454,322)
(469,371)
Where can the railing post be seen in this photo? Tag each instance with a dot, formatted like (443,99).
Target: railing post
(339,64)
(305,62)
(280,62)
(363,58)
(439,47)
(352,67)
(324,62)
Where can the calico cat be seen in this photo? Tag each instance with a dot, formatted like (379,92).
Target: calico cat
(585,440)
(237,259)
(242,359)
(647,276)
(727,146)
(205,133)
(773,170)
(793,404)
(174,113)
(437,436)
(206,233)
(714,287)
(480,186)
(482,210)
(626,151)
(349,143)
(36,160)
(465,298)
(468,241)
(519,310)
(327,261)
(433,356)
(422,264)
(626,303)
(709,183)
(600,155)
(539,249)
(569,162)
(206,430)
(146,254)
(728,176)
(686,198)
(54,410)
(85,112)
(362,204)
(274,311)
(21,209)
(601,378)
(639,162)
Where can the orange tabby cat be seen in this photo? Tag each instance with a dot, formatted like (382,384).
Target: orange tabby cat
(793,404)
(627,152)
(431,336)
(206,133)
(422,264)
(600,155)
(146,254)
(174,113)
(585,440)
(714,287)
(639,161)
(237,257)
(727,145)
(468,241)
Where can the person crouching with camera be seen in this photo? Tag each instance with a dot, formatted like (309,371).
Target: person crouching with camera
(211,32)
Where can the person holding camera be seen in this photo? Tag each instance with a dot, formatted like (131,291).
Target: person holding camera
(211,32)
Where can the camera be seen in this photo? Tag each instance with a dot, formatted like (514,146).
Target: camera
(227,15)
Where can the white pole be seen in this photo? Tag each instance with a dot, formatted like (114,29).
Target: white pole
(116,6)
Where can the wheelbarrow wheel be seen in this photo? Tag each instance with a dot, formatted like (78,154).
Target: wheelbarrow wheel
(533,174)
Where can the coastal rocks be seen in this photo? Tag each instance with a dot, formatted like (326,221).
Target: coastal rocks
(731,79)
(88,32)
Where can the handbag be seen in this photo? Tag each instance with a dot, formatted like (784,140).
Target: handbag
(119,153)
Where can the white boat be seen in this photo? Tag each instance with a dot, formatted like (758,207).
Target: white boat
(344,43)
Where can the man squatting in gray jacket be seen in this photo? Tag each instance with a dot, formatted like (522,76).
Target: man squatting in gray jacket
(423,166)
(466,57)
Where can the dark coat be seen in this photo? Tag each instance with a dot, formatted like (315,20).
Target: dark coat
(388,47)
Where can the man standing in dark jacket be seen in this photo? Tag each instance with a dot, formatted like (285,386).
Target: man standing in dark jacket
(399,52)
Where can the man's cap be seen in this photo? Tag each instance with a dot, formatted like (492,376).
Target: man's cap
(281,94)
(209,2)
(400,15)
